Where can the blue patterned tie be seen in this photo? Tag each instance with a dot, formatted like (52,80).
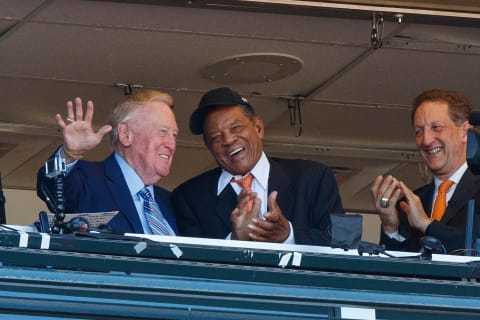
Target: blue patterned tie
(155,219)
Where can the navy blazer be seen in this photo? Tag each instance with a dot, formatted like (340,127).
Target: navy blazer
(451,229)
(307,195)
(100,186)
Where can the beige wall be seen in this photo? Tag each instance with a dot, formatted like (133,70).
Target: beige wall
(371,228)
(23,206)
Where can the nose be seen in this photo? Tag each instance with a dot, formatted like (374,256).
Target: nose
(228,138)
(170,141)
(427,137)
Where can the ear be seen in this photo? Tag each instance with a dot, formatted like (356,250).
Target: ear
(259,126)
(465,126)
(464,133)
(125,135)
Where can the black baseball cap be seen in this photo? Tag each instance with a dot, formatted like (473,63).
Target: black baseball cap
(215,98)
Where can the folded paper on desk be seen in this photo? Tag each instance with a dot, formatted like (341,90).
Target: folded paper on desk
(95,219)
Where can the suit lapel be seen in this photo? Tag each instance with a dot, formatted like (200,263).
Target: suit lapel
(222,204)
(225,202)
(465,191)
(119,190)
(426,196)
(279,181)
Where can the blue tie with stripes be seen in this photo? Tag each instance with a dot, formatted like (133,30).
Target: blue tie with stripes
(155,219)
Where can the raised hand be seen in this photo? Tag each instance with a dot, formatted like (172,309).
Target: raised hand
(78,134)
(386,188)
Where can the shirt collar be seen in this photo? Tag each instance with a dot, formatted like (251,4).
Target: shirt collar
(134,182)
(455,177)
(260,173)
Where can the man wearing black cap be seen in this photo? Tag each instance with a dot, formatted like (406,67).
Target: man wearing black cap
(288,200)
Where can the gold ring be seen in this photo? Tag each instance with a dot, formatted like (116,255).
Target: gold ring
(69,119)
(384,202)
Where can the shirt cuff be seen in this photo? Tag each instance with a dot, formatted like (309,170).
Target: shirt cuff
(291,236)
(396,236)
(69,166)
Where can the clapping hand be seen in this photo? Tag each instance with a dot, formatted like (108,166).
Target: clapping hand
(243,215)
(274,228)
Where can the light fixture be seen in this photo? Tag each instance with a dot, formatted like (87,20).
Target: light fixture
(252,68)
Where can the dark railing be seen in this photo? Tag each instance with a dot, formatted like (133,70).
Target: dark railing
(182,278)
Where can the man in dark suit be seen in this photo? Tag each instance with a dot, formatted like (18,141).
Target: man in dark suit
(289,201)
(440,120)
(143,134)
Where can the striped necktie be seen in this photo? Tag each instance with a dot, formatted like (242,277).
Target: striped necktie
(155,219)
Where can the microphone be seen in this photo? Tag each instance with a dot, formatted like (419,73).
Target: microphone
(77,224)
(429,245)
(452,203)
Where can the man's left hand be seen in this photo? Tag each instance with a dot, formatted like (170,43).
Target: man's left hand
(417,218)
(275,227)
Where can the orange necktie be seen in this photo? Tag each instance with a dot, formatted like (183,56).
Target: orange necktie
(245,182)
(441,200)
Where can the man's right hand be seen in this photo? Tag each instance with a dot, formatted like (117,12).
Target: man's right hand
(78,134)
(386,188)
(243,214)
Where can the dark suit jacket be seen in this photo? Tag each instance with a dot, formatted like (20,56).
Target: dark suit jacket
(100,186)
(451,229)
(307,195)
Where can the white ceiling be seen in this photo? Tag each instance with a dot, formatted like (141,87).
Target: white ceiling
(355,101)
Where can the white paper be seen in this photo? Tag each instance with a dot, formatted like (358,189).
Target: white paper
(95,219)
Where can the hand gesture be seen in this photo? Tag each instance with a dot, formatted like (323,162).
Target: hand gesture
(417,217)
(244,213)
(78,134)
(385,194)
(275,227)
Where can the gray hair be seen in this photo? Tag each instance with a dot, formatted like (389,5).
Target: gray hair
(130,106)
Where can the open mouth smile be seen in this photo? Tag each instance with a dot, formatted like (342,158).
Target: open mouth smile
(434,150)
(236,151)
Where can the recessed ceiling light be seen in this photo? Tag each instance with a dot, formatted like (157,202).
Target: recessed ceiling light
(252,68)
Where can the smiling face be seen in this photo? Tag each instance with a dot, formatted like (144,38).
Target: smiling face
(234,138)
(148,141)
(441,142)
